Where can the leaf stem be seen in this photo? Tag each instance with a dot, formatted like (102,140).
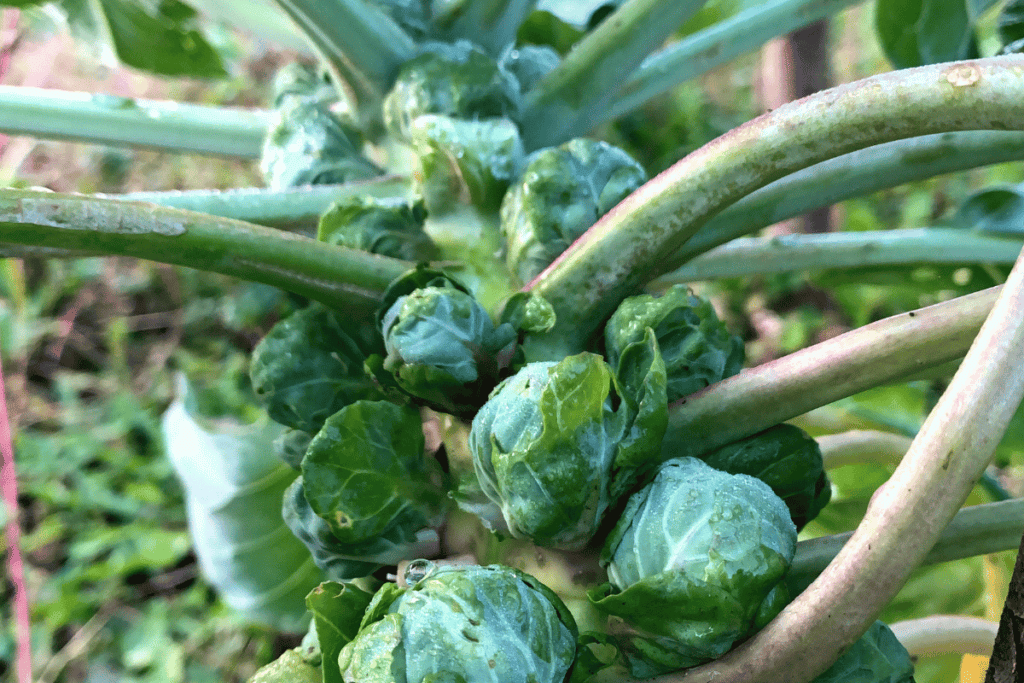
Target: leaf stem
(826,251)
(906,515)
(976,530)
(491,24)
(884,351)
(862,445)
(111,120)
(293,207)
(566,102)
(702,51)
(633,243)
(333,275)
(944,633)
(853,175)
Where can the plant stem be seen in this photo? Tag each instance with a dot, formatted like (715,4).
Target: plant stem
(333,275)
(906,515)
(976,530)
(785,253)
(111,120)
(294,207)
(884,351)
(566,102)
(12,531)
(361,42)
(633,243)
(945,633)
(491,24)
(702,51)
(862,445)
(853,175)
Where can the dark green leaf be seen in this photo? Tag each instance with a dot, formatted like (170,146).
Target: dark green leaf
(1011,26)
(307,368)
(160,37)
(545,28)
(917,32)
(876,657)
(997,209)
(337,609)
(366,468)
(390,227)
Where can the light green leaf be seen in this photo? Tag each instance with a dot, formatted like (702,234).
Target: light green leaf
(918,32)
(234,484)
(337,610)
(160,37)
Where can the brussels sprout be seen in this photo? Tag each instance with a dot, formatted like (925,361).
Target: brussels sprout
(785,458)
(562,192)
(696,347)
(297,80)
(471,162)
(340,561)
(443,348)
(366,471)
(693,561)
(462,623)
(307,368)
(308,145)
(288,668)
(549,448)
(878,657)
(390,227)
(457,80)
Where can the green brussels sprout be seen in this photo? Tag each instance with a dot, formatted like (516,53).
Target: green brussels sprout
(462,623)
(697,348)
(443,348)
(561,192)
(366,470)
(288,668)
(460,161)
(549,448)
(529,63)
(695,564)
(785,458)
(452,79)
(344,561)
(390,227)
(877,657)
(308,145)
(308,367)
(297,80)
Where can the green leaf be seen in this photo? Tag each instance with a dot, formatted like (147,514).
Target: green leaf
(288,668)
(390,227)
(643,385)
(1011,26)
(337,610)
(995,209)
(308,367)
(234,485)
(366,469)
(545,28)
(157,36)
(918,32)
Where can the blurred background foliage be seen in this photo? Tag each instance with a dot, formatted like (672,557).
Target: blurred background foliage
(91,349)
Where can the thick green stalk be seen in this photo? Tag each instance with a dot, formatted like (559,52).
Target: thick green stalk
(756,256)
(700,52)
(853,175)
(111,120)
(567,102)
(862,445)
(336,276)
(977,530)
(634,242)
(491,24)
(882,352)
(945,633)
(360,44)
(294,207)
(906,516)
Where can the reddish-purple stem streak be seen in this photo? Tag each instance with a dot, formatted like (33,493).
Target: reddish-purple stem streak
(15,569)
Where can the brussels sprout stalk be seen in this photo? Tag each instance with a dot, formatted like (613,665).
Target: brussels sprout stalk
(906,515)
(631,244)
(945,633)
